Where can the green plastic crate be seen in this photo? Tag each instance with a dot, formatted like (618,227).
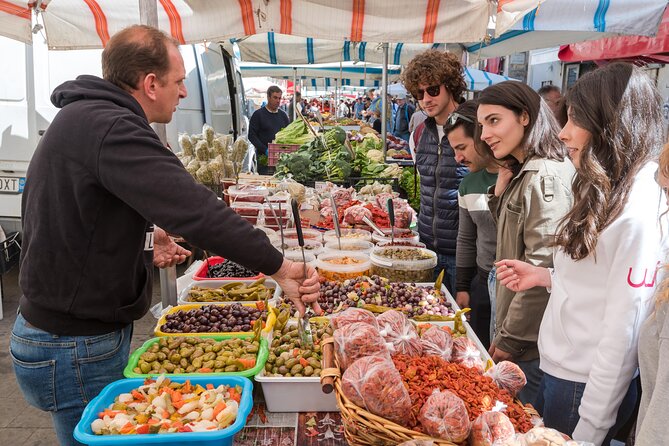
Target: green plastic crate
(261,358)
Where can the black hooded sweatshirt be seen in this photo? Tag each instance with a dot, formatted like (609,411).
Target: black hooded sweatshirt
(98,181)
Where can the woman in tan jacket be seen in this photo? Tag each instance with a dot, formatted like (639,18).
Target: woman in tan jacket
(532,194)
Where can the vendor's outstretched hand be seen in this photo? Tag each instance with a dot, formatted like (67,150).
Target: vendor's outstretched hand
(520,276)
(166,252)
(290,278)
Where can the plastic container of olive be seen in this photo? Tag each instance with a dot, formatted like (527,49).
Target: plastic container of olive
(296,256)
(185,298)
(404,235)
(314,247)
(338,265)
(348,235)
(260,350)
(347,245)
(403,263)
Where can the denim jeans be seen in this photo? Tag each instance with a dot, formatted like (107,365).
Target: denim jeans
(479,302)
(533,373)
(492,292)
(558,402)
(61,374)
(447,263)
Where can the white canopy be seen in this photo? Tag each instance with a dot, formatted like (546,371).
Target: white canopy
(323,75)
(559,22)
(291,50)
(70,24)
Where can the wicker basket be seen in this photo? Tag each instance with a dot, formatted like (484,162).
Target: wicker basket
(366,429)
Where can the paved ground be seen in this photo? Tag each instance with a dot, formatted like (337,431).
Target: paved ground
(21,424)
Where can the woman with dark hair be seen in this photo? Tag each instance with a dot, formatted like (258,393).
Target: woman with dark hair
(532,194)
(609,246)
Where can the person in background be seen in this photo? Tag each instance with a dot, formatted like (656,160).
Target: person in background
(376,121)
(531,196)
(551,94)
(267,121)
(403,117)
(609,247)
(358,108)
(298,101)
(477,234)
(342,110)
(435,79)
(98,191)
(417,118)
(651,425)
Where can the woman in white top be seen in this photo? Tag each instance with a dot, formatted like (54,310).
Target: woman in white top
(609,247)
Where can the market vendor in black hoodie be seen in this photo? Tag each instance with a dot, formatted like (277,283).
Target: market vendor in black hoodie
(99,188)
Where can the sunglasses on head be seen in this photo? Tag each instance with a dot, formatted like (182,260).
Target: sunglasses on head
(453,118)
(433,91)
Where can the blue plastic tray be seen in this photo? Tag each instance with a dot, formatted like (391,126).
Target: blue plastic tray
(84,434)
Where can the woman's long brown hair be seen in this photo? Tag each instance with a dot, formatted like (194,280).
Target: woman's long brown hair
(621,108)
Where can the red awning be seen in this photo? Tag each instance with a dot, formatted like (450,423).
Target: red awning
(648,49)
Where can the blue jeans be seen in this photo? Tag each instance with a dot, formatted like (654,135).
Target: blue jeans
(61,374)
(447,263)
(533,373)
(492,292)
(558,402)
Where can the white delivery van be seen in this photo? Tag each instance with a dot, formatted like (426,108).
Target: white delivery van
(31,72)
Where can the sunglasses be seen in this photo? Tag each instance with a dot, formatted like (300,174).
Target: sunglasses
(453,118)
(433,91)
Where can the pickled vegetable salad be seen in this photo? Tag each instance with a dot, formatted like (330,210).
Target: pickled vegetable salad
(162,406)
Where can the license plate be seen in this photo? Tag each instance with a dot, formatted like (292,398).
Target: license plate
(12,185)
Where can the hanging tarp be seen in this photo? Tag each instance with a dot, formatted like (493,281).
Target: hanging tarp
(70,24)
(293,50)
(624,47)
(323,75)
(560,22)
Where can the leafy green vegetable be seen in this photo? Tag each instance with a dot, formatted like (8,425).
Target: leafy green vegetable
(410,183)
(294,133)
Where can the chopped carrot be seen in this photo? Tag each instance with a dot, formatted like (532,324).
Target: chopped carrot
(219,408)
(176,396)
(234,395)
(296,352)
(127,428)
(178,404)
(185,428)
(206,370)
(137,395)
(187,388)
(177,424)
(247,363)
(153,421)
(142,429)
(304,362)
(209,386)
(260,305)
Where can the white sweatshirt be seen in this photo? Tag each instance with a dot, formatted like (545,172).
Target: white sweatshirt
(589,332)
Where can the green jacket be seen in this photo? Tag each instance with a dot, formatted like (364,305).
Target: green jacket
(527,215)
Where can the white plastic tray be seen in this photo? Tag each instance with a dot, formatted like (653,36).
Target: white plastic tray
(295,394)
(183,296)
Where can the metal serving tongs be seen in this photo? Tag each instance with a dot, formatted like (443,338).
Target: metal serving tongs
(391,217)
(303,327)
(368,221)
(279,219)
(335,220)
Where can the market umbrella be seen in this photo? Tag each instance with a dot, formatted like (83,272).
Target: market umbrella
(560,22)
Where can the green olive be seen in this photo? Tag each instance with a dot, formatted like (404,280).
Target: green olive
(297,368)
(308,371)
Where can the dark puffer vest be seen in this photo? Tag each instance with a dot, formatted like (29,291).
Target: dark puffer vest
(440,177)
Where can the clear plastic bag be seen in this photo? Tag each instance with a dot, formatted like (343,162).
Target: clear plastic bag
(354,215)
(466,352)
(353,315)
(445,416)
(508,376)
(541,436)
(491,427)
(400,333)
(437,342)
(375,384)
(357,340)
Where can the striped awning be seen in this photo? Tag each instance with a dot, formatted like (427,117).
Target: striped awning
(328,75)
(560,22)
(294,50)
(70,24)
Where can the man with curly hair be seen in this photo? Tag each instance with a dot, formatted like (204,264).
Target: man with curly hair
(435,79)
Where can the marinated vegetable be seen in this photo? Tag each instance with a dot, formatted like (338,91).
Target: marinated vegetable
(232,291)
(213,319)
(163,406)
(198,355)
(289,358)
(228,268)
